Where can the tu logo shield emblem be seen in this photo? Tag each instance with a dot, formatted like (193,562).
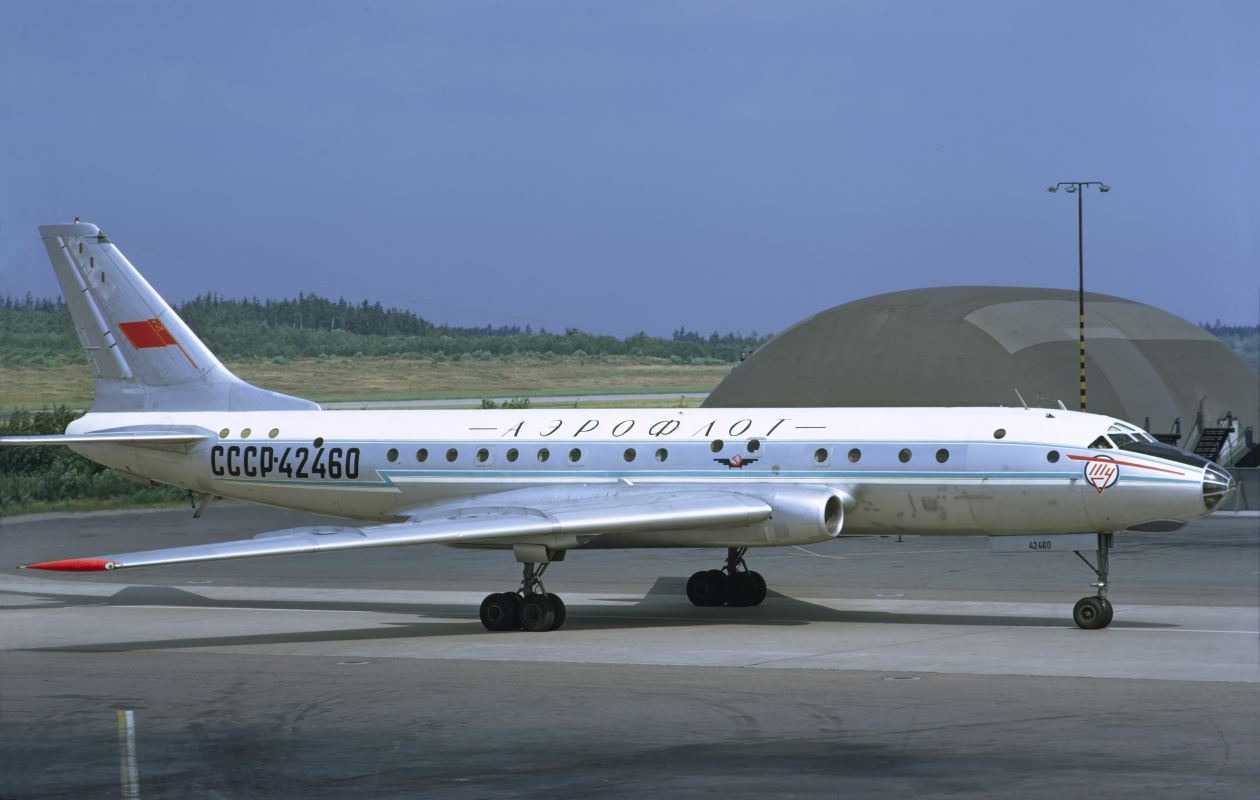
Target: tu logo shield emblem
(1102,473)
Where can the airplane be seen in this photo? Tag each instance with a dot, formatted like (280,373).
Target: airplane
(543,482)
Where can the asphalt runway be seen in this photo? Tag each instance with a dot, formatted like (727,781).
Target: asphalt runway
(926,667)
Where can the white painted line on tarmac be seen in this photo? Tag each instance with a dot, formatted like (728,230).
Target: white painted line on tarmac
(890,553)
(231,608)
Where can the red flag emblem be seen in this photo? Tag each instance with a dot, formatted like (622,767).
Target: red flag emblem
(147,333)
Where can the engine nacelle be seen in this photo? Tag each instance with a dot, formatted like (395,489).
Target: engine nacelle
(802,514)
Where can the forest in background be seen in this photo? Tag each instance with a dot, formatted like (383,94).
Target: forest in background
(34,331)
(37,330)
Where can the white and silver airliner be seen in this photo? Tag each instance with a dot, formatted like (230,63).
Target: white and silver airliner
(540,482)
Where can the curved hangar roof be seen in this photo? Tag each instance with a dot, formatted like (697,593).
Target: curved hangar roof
(975,345)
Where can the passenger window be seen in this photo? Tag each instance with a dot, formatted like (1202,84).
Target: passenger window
(754,445)
(629,455)
(452,454)
(513,454)
(904,455)
(662,454)
(942,455)
(483,455)
(422,455)
(716,445)
(820,455)
(855,455)
(1053,456)
(392,455)
(575,455)
(543,454)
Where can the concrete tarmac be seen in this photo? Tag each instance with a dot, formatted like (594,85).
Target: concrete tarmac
(926,667)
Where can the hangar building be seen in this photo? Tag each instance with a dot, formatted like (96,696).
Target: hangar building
(979,345)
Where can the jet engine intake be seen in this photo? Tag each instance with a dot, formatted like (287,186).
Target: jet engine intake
(804,514)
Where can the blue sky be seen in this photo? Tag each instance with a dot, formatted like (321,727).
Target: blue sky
(625,166)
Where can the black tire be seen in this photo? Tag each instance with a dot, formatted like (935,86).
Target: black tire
(1090,613)
(499,612)
(1109,612)
(703,591)
(694,591)
(537,613)
(759,583)
(561,612)
(741,589)
(715,580)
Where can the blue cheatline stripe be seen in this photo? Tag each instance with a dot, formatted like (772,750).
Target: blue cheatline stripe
(388,477)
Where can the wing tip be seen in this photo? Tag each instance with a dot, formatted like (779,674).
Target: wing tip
(73,565)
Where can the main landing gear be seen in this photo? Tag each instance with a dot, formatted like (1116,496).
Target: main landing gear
(1094,613)
(733,585)
(529,608)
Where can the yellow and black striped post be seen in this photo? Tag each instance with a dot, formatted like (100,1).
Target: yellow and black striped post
(1080,291)
(1079,187)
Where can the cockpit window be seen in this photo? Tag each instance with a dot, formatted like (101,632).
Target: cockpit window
(1122,433)
(1101,443)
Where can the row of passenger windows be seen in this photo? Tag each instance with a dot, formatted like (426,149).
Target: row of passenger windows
(821,456)
(543,454)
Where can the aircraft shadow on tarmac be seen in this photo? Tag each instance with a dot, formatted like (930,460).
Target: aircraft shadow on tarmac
(664,606)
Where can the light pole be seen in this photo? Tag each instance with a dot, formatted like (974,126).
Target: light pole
(1079,188)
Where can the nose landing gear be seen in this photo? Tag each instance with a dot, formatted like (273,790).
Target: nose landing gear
(733,585)
(531,607)
(1094,613)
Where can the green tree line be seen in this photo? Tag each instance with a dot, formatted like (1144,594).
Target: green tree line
(36,330)
(1242,339)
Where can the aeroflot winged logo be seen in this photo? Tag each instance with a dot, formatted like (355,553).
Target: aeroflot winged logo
(148,333)
(1102,473)
(736,461)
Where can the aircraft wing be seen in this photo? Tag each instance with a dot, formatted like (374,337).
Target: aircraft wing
(522,516)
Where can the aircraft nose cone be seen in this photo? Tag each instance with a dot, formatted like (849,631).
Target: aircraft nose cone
(1217,486)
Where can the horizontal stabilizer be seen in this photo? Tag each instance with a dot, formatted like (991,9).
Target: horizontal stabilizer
(627,510)
(110,437)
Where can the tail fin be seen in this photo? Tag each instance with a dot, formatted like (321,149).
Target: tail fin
(143,356)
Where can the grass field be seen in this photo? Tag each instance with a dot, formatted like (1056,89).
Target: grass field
(348,379)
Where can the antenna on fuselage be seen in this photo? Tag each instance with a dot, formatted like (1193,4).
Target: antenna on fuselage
(1062,406)
(1021,399)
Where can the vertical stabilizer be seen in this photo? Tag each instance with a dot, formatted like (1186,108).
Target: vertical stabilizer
(142,354)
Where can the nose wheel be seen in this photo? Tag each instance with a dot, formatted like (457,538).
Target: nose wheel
(733,585)
(530,608)
(1095,612)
